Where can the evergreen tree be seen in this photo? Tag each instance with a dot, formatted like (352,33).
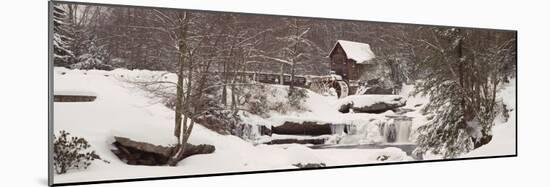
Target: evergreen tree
(94,57)
(62,37)
(462,78)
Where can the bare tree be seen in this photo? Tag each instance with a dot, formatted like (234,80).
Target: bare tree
(293,47)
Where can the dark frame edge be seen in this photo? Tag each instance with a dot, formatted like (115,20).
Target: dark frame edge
(517,97)
(50,93)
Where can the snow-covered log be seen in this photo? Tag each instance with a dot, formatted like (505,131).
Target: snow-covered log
(371,103)
(142,153)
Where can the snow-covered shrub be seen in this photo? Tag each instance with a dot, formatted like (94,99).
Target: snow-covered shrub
(91,62)
(220,121)
(279,106)
(280,101)
(256,101)
(298,98)
(72,153)
(506,110)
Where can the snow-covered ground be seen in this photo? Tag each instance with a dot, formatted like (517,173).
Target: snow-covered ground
(124,110)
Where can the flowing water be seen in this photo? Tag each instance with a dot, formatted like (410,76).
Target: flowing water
(379,134)
(338,129)
(397,130)
(403,131)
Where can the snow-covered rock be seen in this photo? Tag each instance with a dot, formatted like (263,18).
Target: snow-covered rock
(371,103)
(304,128)
(378,90)
(390,154)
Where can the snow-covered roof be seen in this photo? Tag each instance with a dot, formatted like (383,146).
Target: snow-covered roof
(360,52)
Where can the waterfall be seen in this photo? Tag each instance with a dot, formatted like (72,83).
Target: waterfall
(337,129)
(350,129)
(403,131)
(396,129)
(254,132)
(247,131)
(363,133)
(389,132)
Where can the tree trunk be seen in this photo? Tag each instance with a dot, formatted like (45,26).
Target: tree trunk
(190,111)
(180,148)
(224,88)
(466,114)
(180,103)
(225,78)
(179,94)
(233,98)
(291,87)
(281,80)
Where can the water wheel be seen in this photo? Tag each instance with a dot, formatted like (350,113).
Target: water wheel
(342,89)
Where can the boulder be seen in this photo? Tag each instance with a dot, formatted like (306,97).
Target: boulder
(264,130)
(142,153)
(303,128)
(378,90)
(297,141)
(345,107)
(402,111)
(371,103)
(310,165)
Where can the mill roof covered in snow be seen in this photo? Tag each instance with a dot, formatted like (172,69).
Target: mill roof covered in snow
(360,52)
